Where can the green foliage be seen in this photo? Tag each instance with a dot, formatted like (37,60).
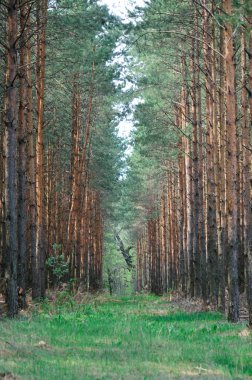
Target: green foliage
(154,71)
(57,266)
(129,337)
(115,272)
(81,37)
(82,34)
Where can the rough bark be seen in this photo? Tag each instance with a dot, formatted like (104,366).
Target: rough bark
(40,181)
(11,125)
(248,216)
(31,172)
(22,134)
(233,313)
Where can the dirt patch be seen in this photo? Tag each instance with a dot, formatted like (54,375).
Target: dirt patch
(196,305)
(245,333)
(190,305)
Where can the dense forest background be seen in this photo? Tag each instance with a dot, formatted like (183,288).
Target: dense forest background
(168,207)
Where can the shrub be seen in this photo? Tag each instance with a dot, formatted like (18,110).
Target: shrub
(58,268)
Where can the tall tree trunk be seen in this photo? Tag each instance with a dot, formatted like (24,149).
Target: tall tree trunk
(74,176)
(202,230)
(189,203)
(211,189)
(40,190)
(2,207)
(183,180)
(31,171)
(10,123)
(231,167)
(195,173)
(22,158)
(222,227)
(248,184)
(164,239)
(182,273)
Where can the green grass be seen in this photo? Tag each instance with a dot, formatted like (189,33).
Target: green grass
(142,337)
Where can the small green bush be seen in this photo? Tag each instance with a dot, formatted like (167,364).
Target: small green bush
(58,268)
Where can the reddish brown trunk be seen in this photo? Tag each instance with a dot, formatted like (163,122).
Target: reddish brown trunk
(31,172)
(40,183)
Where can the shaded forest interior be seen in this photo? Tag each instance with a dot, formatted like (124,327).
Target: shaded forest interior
(169,207)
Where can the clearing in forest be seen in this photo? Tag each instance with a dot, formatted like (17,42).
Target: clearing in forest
(141,337)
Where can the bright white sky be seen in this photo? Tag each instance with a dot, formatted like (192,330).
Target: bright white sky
(120,8)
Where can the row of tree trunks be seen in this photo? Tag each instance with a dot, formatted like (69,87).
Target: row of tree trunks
(43,211)
(74,223)
(211,180)
(158,253)
(21,201)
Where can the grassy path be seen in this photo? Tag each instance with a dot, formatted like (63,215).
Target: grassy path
(123,338)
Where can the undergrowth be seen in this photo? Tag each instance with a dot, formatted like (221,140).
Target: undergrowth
(141,337)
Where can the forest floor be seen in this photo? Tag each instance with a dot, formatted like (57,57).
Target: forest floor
(139,337)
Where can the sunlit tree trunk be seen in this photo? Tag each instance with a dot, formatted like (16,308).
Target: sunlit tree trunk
(164,239)
(74,178)
(181,221)
(40,183)
(31,171)
(189,205)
